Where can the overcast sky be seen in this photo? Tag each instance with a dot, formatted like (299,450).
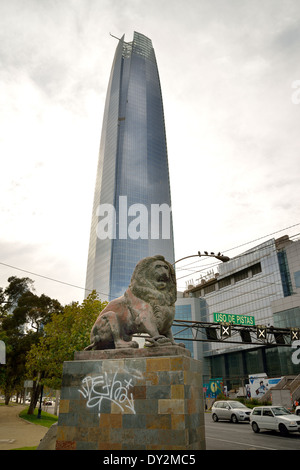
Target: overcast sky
(228,71)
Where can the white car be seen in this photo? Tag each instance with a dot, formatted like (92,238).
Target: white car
(275,418)
(230,410)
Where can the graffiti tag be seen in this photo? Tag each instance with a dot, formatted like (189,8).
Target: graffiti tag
(97,389)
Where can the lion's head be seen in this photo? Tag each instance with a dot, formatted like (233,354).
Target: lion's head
(154,281)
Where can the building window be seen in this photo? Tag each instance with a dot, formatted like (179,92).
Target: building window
(209,289)
(225,282)
(256,269)
(241,275)
(297,278)
(184,312)
(285,274)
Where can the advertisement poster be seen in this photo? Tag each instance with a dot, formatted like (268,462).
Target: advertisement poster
(259,384)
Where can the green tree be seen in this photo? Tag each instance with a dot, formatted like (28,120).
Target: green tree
(16,288)
(3,304)
(22,325)
(65,334)
(35,311)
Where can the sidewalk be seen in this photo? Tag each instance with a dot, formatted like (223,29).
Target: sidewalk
(15,432)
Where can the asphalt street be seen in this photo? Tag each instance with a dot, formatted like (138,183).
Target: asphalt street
(224,435)
(16,432)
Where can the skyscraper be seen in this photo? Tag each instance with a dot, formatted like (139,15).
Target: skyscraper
(131,216)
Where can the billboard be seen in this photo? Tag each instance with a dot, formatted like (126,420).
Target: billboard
(259,384)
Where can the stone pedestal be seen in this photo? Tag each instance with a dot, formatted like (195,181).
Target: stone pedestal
(132,399)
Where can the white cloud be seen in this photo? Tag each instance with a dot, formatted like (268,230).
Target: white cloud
(226,69)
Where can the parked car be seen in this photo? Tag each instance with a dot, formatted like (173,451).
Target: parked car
(275,418)
(230,410)
(297,410)
(47,403)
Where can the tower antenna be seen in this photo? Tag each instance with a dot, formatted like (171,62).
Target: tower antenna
(119,39)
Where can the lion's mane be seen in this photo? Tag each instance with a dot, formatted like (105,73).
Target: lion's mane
(143,283)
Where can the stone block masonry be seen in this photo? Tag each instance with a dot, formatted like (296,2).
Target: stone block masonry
(142,399)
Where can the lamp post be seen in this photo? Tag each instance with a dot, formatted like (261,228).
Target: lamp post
(220,257)
(40,407)
(39,416)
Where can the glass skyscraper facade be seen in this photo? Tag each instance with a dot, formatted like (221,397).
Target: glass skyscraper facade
(131,216)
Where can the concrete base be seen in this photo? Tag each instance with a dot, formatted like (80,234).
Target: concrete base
(142,399)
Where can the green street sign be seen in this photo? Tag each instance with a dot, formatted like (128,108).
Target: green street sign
(246,320)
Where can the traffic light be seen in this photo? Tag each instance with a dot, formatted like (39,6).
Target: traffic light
(225,330)
(245,335)
(211,333)
(295,334)
(261,332)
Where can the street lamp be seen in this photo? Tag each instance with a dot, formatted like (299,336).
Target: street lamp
(220,257)
(39,416)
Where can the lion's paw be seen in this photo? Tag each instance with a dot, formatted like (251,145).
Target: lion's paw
(126,344)
(158,341)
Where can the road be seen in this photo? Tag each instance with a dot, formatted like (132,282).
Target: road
(224,435)
(228,436)
(15,433)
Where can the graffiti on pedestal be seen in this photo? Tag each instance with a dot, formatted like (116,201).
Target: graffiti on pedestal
(109,387)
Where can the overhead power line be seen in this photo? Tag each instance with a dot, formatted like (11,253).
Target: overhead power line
(102,293)
(265,236)
(196,271)
(50,278)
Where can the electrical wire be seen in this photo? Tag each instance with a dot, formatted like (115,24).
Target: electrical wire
(102,293)
(211,265)
(49,278)
(244,244)
(238,256)
(260,238)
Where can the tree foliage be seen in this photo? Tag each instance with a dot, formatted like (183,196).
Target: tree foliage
(23,317)
(63,335)
(39,335)
(16,288)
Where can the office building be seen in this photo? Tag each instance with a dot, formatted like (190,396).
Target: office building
(132,215)
(190,309)
(262,283)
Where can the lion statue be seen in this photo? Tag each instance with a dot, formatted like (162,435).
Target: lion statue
(147,306)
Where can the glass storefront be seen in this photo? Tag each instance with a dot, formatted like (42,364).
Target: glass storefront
(235,368)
